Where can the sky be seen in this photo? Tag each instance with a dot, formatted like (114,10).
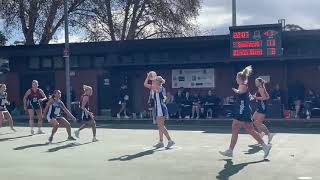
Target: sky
(215,15)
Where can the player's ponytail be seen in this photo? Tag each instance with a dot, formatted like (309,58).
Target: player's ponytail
(85,88)
(245,73)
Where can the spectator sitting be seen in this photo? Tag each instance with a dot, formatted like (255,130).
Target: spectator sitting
(186,105)
(178,98)
(123,101)
(297,94)
(196,106)
(277,93)
(17,111)
(169,98)
(311,100)
(209,103)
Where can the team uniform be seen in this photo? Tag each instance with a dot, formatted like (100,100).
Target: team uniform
(85,116)
(33,100)
(54,111)
(242,109)
(3,102)
(159,104)
(261,105)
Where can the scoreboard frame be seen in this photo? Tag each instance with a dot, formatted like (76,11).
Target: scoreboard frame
(256,41)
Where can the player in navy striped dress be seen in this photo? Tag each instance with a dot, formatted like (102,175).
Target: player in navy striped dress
(53,112)
(161,110)
(242,114)
(259,115)
(87,118)
(4,113)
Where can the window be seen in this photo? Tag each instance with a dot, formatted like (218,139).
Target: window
(98,62)
(46,62)
(58,62)
(34,63)
(74,63)
(84,61)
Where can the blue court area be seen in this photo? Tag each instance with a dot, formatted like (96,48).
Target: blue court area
(125,152)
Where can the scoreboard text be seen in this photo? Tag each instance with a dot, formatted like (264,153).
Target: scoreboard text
(256,41)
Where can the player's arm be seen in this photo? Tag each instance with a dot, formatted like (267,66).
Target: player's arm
(47,107)
(25,99)
(242,89)
(264,95)
(146,83)
(44,97)
(65,109)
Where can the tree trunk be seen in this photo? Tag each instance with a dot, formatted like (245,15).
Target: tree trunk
(110,20)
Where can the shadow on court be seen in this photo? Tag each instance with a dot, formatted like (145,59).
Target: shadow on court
(137,155)
(253,149)
(36,145)
(6,133)
(70,145)
(13,138)
(216,128)
(231,169)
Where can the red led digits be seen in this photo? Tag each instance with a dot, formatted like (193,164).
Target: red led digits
(271,42)
(247,44)
(241,35)
(248,52)
(271,51)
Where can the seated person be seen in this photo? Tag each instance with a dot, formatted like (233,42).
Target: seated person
(196,105)
(173,107)
(210,102)
(311,101)
(169,98)
(186,105)
(178,98)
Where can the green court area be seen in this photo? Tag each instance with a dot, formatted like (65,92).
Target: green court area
(125,152)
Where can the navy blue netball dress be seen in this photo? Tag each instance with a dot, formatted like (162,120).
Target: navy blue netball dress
(84,115)
(261,105)
(3,102)
(33,100)
(159,104)
(242,109)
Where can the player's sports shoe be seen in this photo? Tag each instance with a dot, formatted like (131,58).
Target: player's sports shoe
(32,132)
(266,149)
(50,140)
(94,139)
(40,131)
(77,133)
(228,153)
(71,138)
(270,137)
(170,144)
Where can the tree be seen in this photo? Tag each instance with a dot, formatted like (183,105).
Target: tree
(293,27)
(3,39)
(137,19)
(39,20)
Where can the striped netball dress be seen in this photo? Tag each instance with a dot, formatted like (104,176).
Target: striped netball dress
(242,109)
(54,111)
(33,100)
(3,102)
(161,109)
(262,105)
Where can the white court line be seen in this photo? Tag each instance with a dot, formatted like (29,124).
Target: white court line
(304,178)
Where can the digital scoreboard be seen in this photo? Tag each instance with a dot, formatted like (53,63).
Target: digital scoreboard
(256,41)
